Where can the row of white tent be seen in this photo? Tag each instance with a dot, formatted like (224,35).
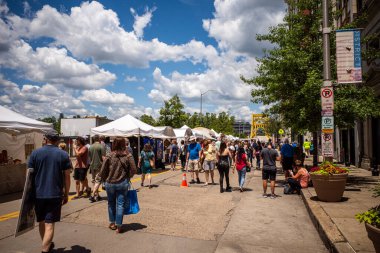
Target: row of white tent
(128,126)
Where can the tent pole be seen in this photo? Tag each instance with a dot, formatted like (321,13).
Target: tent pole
(138,145)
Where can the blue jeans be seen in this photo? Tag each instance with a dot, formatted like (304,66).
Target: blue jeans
(117,195)
(258,162)
(241,174)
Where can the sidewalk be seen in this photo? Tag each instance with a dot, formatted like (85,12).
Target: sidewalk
(336,222)
(270,225)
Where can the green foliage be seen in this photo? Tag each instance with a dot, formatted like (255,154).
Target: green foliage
(372,216)
(148,119)
(376,191)
(56,123)
(172,114)
(289,75)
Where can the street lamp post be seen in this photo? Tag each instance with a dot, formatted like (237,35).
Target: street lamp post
(200,114)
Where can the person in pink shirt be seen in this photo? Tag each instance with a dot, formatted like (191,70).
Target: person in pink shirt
(241,164)
(300,179)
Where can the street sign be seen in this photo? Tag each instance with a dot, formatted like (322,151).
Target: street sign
(327,98)
(281,131)
(327,113)
(348,56)
(327,145)
(328,124)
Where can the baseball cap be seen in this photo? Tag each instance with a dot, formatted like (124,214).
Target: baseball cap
(52,135)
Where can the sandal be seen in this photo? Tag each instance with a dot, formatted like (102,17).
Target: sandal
(119,230)
(112,226)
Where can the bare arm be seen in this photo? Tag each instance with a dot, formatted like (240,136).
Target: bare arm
(66,185)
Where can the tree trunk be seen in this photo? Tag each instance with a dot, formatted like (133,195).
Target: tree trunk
(315,151)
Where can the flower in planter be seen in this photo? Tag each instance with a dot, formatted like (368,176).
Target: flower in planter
(327,168)
(372,216)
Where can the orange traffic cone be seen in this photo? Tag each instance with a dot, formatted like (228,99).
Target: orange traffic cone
(184,181)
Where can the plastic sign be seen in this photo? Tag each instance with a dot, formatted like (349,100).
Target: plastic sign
(328,124)
(327,145)
(348,56)
(327,98)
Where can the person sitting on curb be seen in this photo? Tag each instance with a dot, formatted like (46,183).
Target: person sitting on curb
(300,180)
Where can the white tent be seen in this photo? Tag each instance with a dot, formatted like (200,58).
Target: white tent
(202,132)
(18,132)
(19,135)
(130,126)
(183,132)
(15,123)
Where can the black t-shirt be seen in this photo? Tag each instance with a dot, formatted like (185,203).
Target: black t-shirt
(269,158)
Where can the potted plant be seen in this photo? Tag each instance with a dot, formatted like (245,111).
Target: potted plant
(329,181)
(371,219)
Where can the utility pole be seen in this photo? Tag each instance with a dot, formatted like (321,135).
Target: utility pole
(327,116)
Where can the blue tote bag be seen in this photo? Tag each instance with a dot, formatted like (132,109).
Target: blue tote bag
(131,203)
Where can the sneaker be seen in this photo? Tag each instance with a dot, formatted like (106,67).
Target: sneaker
(206,184)
(98,198)
(92,199)
(228,189)
(273,196)
(265,195)
(221,190)
(192,181)
(198,181)
(241,189)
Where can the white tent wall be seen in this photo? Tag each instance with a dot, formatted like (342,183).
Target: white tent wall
(15,144)
(13,175)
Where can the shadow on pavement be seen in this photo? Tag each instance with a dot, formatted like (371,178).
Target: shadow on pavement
(315,198)
(74,249)
(132,227)
(10,197)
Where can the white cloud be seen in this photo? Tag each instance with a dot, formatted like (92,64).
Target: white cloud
(53,65)
(104,96)
(237,22)
(104,39)
(5,99)
(141,21)
(223,80)
(134,79)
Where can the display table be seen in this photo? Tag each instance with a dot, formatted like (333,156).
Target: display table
(12,178)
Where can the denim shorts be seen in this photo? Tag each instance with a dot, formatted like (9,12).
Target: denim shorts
(209,165)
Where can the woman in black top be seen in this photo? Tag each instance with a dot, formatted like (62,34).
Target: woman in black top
(224,157)
(258,149)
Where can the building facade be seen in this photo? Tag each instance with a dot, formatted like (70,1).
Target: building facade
(242,128)
(81,126)
(360,145)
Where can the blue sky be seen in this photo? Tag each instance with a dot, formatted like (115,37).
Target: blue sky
(111,58)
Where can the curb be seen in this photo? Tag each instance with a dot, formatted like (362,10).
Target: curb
(327,229)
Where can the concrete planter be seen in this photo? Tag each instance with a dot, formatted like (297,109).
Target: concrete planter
(374,235)
(329,188)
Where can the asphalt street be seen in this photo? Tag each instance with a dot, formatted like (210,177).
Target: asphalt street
(175,219)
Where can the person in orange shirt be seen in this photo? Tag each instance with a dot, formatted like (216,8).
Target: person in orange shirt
(300,179)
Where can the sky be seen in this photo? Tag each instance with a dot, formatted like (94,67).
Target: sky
(112,58)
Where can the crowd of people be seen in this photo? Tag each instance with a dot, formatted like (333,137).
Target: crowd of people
(115,167)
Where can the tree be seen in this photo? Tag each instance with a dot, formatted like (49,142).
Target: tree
(148,119)
(54,121)
(172,113)
(290,74)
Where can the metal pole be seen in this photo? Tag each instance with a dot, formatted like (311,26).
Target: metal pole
(326,42)
(326,51)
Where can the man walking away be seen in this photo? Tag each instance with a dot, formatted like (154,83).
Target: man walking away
(287,158)
(269,156)
(193,154)
(51,171)
(96,153)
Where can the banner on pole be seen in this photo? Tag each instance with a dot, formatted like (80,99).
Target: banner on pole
(348,56)
(327,145)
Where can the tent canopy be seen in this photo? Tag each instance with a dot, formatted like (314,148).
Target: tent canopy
(203,132)
(183,132)
(130,126)
(14,123)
